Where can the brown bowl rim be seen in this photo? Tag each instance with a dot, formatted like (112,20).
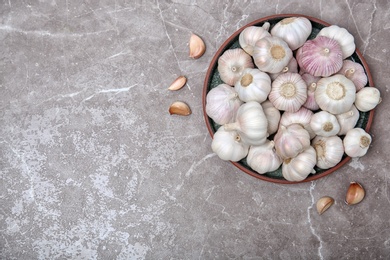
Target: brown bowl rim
(211,67)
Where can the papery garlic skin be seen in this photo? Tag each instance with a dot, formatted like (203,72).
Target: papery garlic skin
(321,56)
(355,72)
(324,123)
(292,66)
(250,123)
(253,85)
(273,116)
(228,146)
(222,103)
(329,150)
(356,142)
(291,140)
(250,35)
(293,30)
(263,158)
(302,117)
(299,167)
(288,92)
(311,83)
(342,36)
(231,64)
(271,54)
(367,99)
(335,94)
(348,120)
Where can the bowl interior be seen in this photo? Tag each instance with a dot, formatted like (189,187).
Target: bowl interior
(213,79)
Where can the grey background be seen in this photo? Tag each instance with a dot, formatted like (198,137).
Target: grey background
(92,166)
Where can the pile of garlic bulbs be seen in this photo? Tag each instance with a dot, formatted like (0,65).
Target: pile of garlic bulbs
(289,102)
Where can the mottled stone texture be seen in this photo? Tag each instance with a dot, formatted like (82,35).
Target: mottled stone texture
(92,166)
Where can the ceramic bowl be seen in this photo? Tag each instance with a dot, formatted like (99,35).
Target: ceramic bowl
(212,80)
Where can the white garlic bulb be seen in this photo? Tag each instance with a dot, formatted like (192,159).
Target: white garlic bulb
(321,56)
(231,64)
(324,123)
(253,85)
(329,150)
(250,123)
(251,34)
(311,83)
(293,30)
(228,146)
(342,36)
(292,66)
(273,116)
(355,72)
(348,120)
(288,92)
(263,158)
(367,99)
(271,54)
(302,117)
(299,167)
(291,140)
(222,103)
(356,142)
(335,94)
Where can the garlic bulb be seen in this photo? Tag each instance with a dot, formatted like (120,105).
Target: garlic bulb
(231,64)
(299,167)
(222,103)
(251,124)
(288,92)
(348,120)
(271,54)
(356,142)
(302,117)
(324,123)
(291,140)
(253,85)
(311,83)
(329,150)
(321,56)
(273,116)
(228,146)
(292,66)
(342,36)
(335,94)
(293,30)
(355,72)
(367,99)
(263,158)
(250,35)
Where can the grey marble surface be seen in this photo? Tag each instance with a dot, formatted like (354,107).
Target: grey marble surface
(92,166)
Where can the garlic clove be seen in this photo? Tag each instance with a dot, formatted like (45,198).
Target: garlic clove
(179,108)
(197,46)
(355,193)
(324,203)
(178,83)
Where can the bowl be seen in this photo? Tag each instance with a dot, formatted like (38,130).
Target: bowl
(212,80)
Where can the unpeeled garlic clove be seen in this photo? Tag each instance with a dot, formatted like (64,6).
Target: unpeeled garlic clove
(355,193)
(197,47)
(178,83)
(324,203)
(179,108)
